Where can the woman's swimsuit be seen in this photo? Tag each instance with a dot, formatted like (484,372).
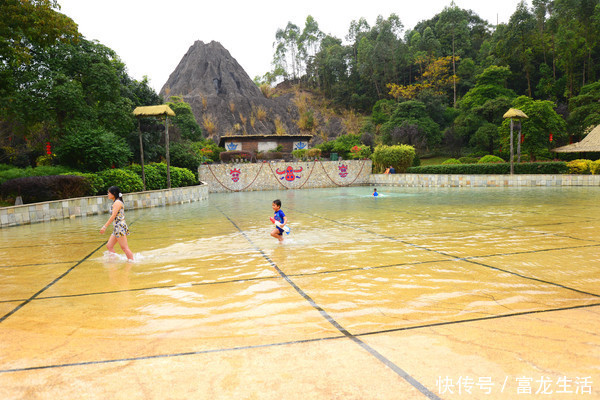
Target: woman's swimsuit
(121,228)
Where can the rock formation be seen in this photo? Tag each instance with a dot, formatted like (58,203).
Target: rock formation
(224,99)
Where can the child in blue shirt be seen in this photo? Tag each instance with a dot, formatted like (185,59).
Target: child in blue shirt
(280,217)
(375,193)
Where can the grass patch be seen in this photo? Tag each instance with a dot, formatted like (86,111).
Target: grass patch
(434,160)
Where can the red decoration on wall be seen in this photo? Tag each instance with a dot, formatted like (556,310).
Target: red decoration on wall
(343,170)
(290,173)
(235,174)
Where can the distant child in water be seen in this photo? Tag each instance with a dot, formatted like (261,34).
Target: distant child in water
(375,193)
(280,217)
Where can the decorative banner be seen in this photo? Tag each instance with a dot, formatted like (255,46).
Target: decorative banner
(235,174)
(290,173)
(230,146)
(300,145)
(343,170)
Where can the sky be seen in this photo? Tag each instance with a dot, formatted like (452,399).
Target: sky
(151,36)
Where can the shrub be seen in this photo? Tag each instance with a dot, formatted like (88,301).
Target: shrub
(360,153)
(228,156)
(96,183)
(580,167)
(184,156)
(300,153)
(12,173)
(182,177)
(35,189)
(416,161)
(154,179)
(156,175)
(400,157)
(490,159)
(127,181)
(556,167)
(595,167)
(451,161)
(313,153)
(468,160)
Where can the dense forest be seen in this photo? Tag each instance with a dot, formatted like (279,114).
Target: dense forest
(442,86)
(447,82)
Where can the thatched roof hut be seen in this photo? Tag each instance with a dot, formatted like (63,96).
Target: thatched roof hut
(153,111)
(589,144)
(515,113)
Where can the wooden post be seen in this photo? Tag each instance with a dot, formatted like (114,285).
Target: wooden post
(142,154)
(167,152)
(519,144)
(511,147)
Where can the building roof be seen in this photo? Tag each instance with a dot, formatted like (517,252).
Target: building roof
(589,144)
(153,111)
(261,137)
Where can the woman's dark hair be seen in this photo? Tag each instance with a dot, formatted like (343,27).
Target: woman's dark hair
(115,191)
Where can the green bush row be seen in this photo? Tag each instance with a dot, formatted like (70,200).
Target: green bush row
(584,167)
(554,167)
(35,189)
(58,184)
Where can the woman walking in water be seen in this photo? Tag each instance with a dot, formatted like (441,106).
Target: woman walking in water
(120,230)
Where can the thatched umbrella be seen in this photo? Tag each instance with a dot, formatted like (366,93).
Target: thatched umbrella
(155,111)
(514,113)
(589,144)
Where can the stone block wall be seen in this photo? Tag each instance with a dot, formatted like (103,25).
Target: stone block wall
(95,205)
(284,175)
(439,180)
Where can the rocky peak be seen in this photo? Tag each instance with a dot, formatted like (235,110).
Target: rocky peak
(220,91)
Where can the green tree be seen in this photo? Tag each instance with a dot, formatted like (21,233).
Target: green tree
(584,110)
(482,106)
(287,53)
(92,150)
(536,129)
(184,122)
(29,25)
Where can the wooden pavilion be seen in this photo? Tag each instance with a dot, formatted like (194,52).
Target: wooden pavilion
(155,111)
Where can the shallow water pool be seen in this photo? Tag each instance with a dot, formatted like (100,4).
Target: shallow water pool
(396,278)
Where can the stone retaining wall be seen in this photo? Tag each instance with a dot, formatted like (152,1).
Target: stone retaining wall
(284,175)
(438,180)
(94,205)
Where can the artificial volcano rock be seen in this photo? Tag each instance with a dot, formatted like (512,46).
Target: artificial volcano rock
(222,94)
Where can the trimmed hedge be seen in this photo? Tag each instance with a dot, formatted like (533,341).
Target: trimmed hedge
(35,189)
(127,181)
(490,159)
(554,167)
(451,161)
(580,167)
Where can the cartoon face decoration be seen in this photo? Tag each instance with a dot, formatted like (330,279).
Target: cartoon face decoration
(290,173)
(343,170)
(235,174)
